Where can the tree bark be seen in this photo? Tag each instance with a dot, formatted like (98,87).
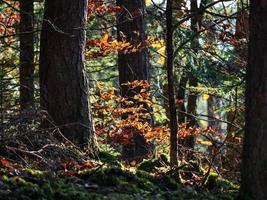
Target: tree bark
(189,142)
(191,110)
(63,82)
(131,23)
(170,75)
(131,26)
(213,103)
(26,69)
(254,173)
(181,96)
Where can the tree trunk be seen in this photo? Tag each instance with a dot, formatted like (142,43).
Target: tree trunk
(170,75)
(131,26)
(26,69)
(213,103)
(181,96)
(189,142)
(63,82)
(182,110)
(254,173)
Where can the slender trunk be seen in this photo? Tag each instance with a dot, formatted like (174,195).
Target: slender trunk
(213,103)
(182,109)
(254,174)
(181,96)
(26,69)
(170,74)
(193,81)
(191,110)
(63,82)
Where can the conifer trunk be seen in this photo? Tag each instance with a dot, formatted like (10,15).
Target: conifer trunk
(254,173)
(26,69)
(63,82)
(170,75)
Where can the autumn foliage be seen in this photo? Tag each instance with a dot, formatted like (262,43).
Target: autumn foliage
(117,124)
(9,18)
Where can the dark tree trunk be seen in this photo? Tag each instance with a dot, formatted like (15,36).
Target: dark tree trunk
(181,96)
(131,23)
(254,173)
(210,111)
(182,110)
(63,82)
(189,142)
(26,69)
(213,104)
(170,75)
(131,26)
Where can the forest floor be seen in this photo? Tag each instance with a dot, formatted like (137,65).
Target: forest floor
(107,178)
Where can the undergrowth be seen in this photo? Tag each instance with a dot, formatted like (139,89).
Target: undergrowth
(101,179)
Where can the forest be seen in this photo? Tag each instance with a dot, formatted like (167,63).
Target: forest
(133,99)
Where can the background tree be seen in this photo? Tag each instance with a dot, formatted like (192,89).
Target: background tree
(63,82)
(170,75)
(26,54)
(131,27)
(254,174)
(192,79)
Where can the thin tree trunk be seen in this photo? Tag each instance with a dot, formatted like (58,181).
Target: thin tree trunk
(210,111)
(189,142)
(182,109)
(26,69)
(254,173)
(170,74)
(181,96)
(63,82)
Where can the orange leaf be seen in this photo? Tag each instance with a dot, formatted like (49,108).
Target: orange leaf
(87,164)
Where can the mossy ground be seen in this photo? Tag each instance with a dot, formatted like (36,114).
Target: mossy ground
(108,183)
(109,179)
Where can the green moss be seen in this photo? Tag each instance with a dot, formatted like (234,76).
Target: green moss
(149,165)
(108,154)
(164,158)
(211,196)
(111,183)
(226,184)
(35,172)
(145,175)
(111,176)
(69,192)
(164,182)
(104,180)
(216,183)
(23,189)
(145,184)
